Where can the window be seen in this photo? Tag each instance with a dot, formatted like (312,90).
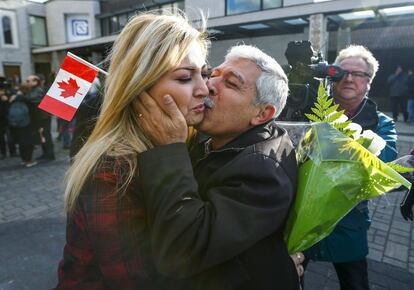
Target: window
(38,29)
(243,6)
(114,23)
(240,6)
(122,19)
(105,26)
(268,4)
(7,30)
(173,7)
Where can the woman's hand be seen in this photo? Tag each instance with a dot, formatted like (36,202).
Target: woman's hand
(298,259)
(165,125)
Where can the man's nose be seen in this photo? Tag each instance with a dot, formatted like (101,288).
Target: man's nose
(211,88)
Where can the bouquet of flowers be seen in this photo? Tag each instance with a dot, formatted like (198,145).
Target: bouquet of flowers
(338,168)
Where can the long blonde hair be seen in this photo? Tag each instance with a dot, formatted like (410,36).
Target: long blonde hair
(149,46)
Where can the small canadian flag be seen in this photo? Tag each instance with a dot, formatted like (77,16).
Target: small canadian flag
(71,85)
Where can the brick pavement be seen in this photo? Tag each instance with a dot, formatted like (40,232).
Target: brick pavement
(32,230)
(32,226)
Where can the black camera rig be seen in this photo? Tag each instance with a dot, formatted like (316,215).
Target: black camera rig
(305,68)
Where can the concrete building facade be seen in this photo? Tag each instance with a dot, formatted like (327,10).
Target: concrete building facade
(386,27)
(16,39)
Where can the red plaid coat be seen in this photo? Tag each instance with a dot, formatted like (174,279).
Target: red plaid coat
(107,244)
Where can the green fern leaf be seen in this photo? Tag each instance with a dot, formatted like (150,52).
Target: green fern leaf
(329,102)
(399,168)
(331,109)
(343,125)
(321,90)
(319,107)
(317,112)
(313,118)
(333,117)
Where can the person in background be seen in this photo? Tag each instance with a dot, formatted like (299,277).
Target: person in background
(6,138)
(41,119)
(410,94)
(347,246)
(21,125)
(398,92)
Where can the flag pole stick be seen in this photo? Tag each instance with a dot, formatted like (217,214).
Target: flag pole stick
(87,63)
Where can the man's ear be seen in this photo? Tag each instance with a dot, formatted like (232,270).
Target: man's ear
(264,114)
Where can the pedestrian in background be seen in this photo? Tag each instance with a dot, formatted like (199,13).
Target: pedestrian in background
(347,246)
(410,94)
(21,125)
(41,119)
(398,93)
(6,138)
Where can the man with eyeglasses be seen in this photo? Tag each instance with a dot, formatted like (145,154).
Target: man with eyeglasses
(347,245)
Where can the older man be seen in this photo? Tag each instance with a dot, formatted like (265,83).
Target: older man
(218,218)
(347,245)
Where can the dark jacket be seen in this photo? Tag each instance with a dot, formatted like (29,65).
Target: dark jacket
(24,135)
(34,97)
(348,241)
(410,86)
(398,85)
(221,224)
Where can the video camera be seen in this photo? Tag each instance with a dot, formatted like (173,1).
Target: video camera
(305,68)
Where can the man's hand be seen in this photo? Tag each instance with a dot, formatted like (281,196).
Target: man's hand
(165,125)
(298,259)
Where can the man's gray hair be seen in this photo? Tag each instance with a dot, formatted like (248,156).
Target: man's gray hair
(272,84)
(359,51)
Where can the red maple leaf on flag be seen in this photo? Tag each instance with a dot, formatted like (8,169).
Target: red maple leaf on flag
(69,89)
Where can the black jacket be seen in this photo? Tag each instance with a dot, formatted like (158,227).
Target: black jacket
(221,225)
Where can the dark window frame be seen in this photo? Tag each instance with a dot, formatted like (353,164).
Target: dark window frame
(9,33)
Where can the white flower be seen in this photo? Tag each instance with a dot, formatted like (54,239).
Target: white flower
(357,130)
(377,143)
(341,119)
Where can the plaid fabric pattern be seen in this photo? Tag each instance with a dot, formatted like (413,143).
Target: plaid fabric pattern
(106,238)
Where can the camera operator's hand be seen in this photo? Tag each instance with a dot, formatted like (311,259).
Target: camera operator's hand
(406,206)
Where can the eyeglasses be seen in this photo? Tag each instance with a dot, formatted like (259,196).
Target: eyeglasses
(356,74)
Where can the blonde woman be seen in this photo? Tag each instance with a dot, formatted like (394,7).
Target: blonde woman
(107,240)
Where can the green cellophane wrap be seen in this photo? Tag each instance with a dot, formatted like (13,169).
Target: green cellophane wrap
(335,174)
